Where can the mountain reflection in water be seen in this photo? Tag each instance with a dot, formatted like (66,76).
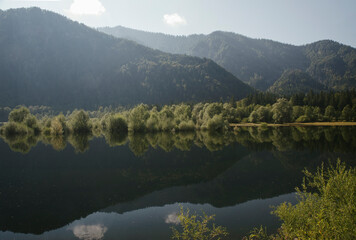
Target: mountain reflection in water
(138,180)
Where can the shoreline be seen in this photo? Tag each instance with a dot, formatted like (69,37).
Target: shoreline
(310,124)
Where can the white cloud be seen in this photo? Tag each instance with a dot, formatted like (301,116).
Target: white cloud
(87,7)
(174,19)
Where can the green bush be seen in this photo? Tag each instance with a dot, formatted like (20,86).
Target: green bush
(32,122)
(117,124)
(19,114)
(56,127)
(326,207)
(20,120)
(137,118)
(302,119)
(260,234)
(96,127)
(195,227)
(152,123)
(80,122)
(217,123)
(186,126)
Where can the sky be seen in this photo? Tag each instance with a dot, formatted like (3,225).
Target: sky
(296,22)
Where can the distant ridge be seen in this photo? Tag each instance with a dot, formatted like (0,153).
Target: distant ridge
(47,59)
(258,62)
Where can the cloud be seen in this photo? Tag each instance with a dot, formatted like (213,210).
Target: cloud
(174,19)
(87,7)
(90,232)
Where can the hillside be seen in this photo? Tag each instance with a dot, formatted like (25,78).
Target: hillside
(47,59)
(258,62)
(295,81)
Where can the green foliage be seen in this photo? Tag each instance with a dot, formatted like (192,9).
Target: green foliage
(253,117)
(166,117)
(302,119)
(117,124)
(297,112)
(326,207)
(18,115)
(21,122)
(137,118)
(216,123)
(261,114)
(195,227)
(346,114)
(31,122)
(330,113)
(186,126)
(282,111)
(57,126)
(79,122)
(152,123)
(259,234)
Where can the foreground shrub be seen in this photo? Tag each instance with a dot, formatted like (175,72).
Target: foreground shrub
(326,207)
(260,234)
(195,227)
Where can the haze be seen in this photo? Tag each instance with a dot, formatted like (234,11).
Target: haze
(295,22)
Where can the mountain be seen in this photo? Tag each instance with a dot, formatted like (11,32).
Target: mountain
(295,81)
(258,62)
(47,59)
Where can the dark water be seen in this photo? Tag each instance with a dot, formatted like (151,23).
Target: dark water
(131,187)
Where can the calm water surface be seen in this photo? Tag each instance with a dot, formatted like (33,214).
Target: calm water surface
(131,187)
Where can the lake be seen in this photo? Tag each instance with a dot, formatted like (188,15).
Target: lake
(132,187)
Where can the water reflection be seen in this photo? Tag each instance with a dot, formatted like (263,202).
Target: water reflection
(155,222)
(289,138)
(80,142)
(172,218)
(131,173)
(22,144)
(279,138)
(89,232)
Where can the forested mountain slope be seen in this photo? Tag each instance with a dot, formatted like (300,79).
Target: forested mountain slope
(47,59)
(258,62)
(295,81)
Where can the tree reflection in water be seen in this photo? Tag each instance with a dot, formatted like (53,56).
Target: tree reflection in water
(256,138)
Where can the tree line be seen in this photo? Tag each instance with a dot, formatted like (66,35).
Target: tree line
(214,116)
